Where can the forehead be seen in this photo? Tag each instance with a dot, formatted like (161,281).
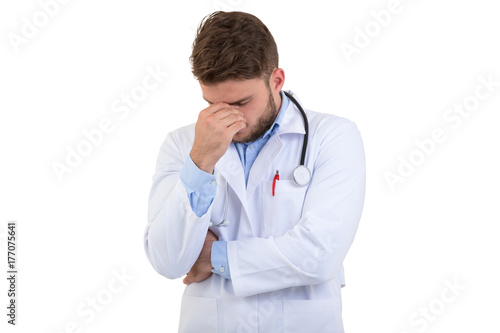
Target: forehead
(232,91)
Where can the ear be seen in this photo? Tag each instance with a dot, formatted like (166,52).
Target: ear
(277,80)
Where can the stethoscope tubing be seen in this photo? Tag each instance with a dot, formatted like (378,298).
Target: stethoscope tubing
(306,127)
(302,168)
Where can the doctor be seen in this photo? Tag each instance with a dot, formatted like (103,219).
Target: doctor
(262,253)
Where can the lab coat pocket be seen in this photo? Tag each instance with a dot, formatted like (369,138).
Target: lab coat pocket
(283,210)
(198,314)
(318,316)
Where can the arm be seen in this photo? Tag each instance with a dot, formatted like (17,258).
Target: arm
(313,250)
(175,235)
(201,189)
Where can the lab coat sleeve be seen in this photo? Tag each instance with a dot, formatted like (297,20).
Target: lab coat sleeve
(200,187)
(314,249)
(174,235)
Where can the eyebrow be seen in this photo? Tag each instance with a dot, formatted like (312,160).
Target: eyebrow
(237,102)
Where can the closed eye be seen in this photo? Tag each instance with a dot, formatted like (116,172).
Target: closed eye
(234,104)
(240,104)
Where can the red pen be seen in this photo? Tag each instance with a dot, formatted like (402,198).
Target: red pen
(276,177)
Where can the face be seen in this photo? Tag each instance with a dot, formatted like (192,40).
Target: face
(253,98)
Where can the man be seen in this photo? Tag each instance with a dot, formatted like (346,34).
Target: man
(261,253)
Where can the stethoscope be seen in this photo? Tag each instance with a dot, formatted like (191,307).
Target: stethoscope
(301,174)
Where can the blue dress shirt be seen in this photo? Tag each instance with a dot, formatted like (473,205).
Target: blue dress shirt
(248,151)
(201,187)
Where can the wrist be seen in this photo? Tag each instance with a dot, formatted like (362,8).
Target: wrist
(201,163)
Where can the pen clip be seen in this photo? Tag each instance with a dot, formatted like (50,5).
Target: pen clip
(276,177)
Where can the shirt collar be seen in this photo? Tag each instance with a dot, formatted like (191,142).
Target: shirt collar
(284,104)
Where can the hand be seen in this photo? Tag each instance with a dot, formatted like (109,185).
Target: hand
(214,131)
(202,268)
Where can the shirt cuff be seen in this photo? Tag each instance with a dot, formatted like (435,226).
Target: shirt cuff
(219,259)
(196,179)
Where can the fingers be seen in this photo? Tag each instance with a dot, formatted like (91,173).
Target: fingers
(214,130)
(188,279)
(225,119)
(226,116)
(211,236)
(210,232)
(213,108)
(236,127)
(219,111)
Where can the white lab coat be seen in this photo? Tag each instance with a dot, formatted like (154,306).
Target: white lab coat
(285,252)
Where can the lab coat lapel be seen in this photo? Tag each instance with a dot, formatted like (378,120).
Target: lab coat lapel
(292,122)
(229,166)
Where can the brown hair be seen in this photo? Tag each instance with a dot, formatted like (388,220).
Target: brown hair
(233,46)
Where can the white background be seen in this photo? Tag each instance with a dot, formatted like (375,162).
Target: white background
(440,224)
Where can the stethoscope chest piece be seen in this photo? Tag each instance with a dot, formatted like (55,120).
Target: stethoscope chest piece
(301,175)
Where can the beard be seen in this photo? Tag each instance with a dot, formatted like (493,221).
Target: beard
(263,123)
